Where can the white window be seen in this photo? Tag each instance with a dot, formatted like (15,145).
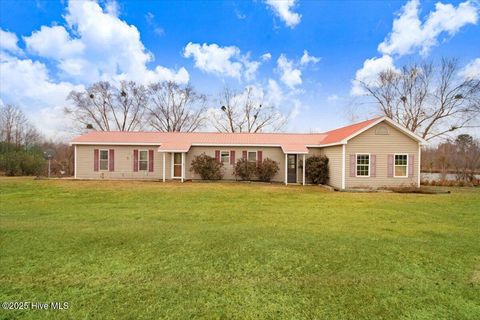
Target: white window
(143,160)
(103,160)
(225,157)
(252,156)
(401,166)
(363,165)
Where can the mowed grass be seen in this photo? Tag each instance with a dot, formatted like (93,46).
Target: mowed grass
(151,250)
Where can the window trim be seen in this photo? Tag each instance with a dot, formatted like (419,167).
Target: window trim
(229,156)
(100,159)
(406,166)
(369,164)
(256,156)
(139,152)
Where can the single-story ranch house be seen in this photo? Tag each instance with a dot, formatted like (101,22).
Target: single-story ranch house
(370,154)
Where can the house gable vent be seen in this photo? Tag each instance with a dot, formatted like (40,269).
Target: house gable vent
(381,130)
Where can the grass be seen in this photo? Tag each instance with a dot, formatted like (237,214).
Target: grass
(148,250)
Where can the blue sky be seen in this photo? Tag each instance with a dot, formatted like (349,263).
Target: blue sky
(52,47)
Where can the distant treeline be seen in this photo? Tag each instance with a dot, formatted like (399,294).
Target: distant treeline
(22,147)
(460,156)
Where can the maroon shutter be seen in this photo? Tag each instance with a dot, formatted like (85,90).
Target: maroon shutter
(217,155)
(373,166)
(111,160)
(150,160)
(244,154)
(259,157)
(410,165)
(390,166)
(135,160)
(232,157)
(95,159)
(352,165)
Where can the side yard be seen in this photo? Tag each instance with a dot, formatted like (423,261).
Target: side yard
(142,250)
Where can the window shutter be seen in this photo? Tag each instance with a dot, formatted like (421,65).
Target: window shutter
(373,165)
(352,165)
(135,160)
(259,157)
(410,165)
(111,160)
(217,155)
(244,154)
(390,166)
(95,159)
(232,157)
(150,160)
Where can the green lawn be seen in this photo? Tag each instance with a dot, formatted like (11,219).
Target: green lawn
(149,250)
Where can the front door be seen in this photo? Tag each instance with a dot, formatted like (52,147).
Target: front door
(177,165)
(292,168)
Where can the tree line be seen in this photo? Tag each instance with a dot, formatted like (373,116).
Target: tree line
(170,107)
(459,156)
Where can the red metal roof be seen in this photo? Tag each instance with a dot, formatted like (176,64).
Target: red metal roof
(182,141)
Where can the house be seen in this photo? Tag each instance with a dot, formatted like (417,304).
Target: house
(374,153)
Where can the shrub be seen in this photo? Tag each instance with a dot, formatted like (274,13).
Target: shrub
(245,170)
(267,169)
(316,169)
(17,161)
(207,167)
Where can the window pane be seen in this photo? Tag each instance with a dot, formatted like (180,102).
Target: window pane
(103,164)
(363,161)
(252,156)
(400,171)
(104,154)
(225,156)
(143,155)
(143,165)
(401,159)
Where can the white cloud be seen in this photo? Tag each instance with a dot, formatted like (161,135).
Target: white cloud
(369,72)
(306,58)
(471,70)
(266,56)
(409,33)
(290,75)
(8,42)
(100,47)
(54,42)
(28,84)
(283,9)
(332,97)
(222,61)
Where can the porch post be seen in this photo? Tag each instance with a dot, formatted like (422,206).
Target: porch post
(343,167)
(171,166)
(286,170)
(163,167)
(303,173)
(183,166)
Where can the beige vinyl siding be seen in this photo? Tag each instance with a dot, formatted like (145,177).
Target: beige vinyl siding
(274,153)
(396,142)
(123,163)
(334,155)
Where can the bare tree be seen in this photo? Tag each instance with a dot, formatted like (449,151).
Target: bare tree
(173,107)
(246,112)
(429,100)
(106,107)
(15,128)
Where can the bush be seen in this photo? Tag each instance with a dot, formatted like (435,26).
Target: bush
(16,161)
(267,169)
(316,169)
(245,170)
(207,167)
